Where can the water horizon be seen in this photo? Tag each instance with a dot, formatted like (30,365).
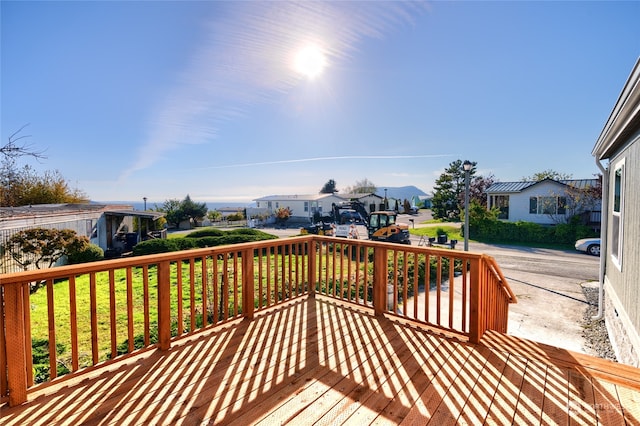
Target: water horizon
(139,205)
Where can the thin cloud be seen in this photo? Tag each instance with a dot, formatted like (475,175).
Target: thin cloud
(333,158)
(245,59)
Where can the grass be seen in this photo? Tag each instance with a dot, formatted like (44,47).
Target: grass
(453,232)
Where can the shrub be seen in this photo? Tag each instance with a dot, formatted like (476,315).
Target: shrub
(208,237)
(40,359)
(90,253)
(186,243)
(205,232)
(155,246)
(491,229)
(235,217)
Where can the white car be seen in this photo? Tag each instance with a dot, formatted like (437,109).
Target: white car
(589,245)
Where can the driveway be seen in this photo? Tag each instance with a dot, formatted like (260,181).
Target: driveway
(548,284)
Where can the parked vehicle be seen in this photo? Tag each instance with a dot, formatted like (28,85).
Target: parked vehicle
(589,245)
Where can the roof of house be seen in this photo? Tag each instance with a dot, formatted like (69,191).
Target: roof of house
(304,197)
(357,196)
(57,209)
(515,187)
(624,120)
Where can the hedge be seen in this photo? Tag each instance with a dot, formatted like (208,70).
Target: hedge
(203,238)
(528,232)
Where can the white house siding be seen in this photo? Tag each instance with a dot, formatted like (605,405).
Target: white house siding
(519,203)
(297,205)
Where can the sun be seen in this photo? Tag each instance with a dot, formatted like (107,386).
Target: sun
(310,61)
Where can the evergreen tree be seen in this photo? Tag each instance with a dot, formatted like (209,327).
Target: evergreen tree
(329,187)
(448,191)
(192,210)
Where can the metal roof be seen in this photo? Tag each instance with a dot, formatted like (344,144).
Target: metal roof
(305,197)
(136,213)
(514,187)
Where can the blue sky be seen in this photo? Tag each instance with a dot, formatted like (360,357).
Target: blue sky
(162,99)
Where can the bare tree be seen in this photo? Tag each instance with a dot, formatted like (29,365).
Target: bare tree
(13,149)
(364,186)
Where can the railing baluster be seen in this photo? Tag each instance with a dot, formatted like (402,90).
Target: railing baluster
(130,335)
(53,362)
(452,267)
(203,272)
(438,288)
(192,297)
(248,284)
(380,280)
(164,305)
(112,313)
(236,302)
(475,331)
(73,322)
(260,283)
(216,293)
(145,292)
(225,287)
(93,311)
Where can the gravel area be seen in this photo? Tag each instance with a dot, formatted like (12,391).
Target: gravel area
(595,332)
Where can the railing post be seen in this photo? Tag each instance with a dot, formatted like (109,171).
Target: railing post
(16,342)
(380,278)
(164,305)
(248,284)
(475,298)
(312,256)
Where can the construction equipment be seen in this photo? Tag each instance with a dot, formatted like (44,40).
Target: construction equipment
(383,227)
(349,212)
(319,228)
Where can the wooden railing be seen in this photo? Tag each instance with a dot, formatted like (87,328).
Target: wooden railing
(88,314)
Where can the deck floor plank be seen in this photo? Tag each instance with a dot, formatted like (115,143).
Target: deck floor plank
(316,361)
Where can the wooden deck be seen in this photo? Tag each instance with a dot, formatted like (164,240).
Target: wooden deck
(315,361)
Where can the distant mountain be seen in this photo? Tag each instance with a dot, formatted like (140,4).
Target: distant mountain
(401,192)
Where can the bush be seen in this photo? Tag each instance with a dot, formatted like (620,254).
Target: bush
(186,243)
(155,246)
(493,230)
(233,217)
(208,237)
(205,232)
(40,360)
(90,253)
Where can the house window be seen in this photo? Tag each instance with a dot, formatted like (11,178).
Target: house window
(616,214)
(548,205)
(501,202)
(306,206)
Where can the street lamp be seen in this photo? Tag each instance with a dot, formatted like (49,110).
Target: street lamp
(145,203)
(467,169)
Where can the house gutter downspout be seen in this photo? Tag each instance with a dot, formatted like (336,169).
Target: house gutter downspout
(604,211)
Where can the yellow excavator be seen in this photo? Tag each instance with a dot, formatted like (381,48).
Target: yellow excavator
(382,226)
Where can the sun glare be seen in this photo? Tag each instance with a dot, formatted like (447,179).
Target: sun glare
(310,61)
